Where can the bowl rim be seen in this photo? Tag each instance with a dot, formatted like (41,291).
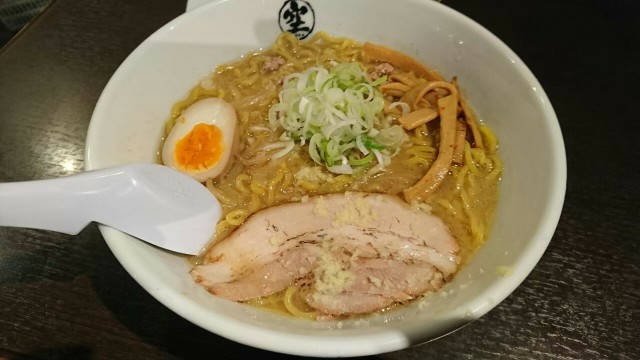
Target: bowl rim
(347,345)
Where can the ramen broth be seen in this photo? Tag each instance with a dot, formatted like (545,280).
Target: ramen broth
(465,200)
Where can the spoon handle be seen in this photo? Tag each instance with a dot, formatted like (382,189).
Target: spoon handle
(65,205)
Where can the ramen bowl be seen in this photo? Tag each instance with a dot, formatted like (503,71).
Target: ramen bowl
(129,120)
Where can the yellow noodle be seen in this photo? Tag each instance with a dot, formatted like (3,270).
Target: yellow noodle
(289,304)
(258,188)
(282,170)
(420,136)
(479,156)
(223,197)
(447,205)
(323,36)
(468,158)
(249,80)
(420,155)
(290,40)
(473,226)
(240,184)
(497,169)
(419,140)
(309,186)
(237,217)
(340,182)
(288,180)
(199,92)
(302,53)
(261,301)
(461,176)
(465,200)
(418,161)
(272,185)
(223,227)
(421,150)
(255,204)
(489,139)
(311,46)
(253,64)
(285,54)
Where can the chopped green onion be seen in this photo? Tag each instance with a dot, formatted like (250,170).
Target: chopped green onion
(363,161)
(371,144)
(334,113)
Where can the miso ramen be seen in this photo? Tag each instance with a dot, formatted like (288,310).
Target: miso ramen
(316,137)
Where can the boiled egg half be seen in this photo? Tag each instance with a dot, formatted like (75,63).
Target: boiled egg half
(201,141)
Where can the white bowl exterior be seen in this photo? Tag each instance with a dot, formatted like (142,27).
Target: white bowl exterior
(129,118)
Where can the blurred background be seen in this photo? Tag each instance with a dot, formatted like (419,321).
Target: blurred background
(15,14)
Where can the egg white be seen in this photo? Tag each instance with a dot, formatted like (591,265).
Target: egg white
(210,111)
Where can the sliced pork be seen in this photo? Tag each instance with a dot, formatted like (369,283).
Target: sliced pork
(355,252)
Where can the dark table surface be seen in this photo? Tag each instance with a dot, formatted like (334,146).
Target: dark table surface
(66,297)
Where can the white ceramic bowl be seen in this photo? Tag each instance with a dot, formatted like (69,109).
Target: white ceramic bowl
(129,117)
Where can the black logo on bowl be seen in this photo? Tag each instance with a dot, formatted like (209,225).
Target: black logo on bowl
(297,17)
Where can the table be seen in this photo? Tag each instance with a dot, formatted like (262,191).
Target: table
(66,297)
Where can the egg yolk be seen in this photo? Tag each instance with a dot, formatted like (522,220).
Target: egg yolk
(201,148)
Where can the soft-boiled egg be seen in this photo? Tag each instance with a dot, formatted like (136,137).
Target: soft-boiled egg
(201,141)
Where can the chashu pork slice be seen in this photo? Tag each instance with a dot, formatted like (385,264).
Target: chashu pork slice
(376,284)
(356,252)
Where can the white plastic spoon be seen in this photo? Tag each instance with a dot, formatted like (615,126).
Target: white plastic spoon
(151,202)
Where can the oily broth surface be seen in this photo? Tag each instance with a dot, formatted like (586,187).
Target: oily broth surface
(466,200)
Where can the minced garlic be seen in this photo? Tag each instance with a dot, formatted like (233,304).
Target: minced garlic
(312,174)
(330,276)
(357,212)
(321,207)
